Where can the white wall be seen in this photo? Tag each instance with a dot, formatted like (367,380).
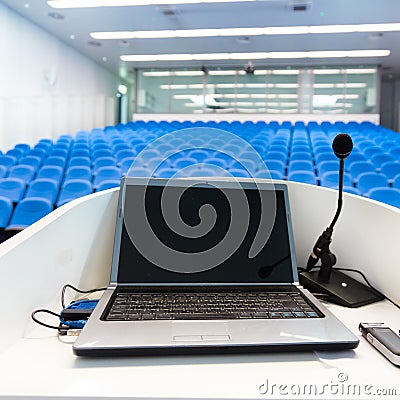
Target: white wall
(46,87)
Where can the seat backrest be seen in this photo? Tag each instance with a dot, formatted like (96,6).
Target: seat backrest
(74,189)
(43,188)
(12,188)
(29,211)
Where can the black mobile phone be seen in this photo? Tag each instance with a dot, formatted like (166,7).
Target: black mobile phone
(383,339)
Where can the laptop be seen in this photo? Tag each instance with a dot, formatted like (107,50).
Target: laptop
(206,266)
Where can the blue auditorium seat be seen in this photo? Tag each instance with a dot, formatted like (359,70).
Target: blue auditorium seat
(371,151)
(300,156)
(52,172)
(390,169)
(80,152)
(276,165)
(219,162)
(120,155)
(300,166)
(139,172)
(102,153)
(6,208)
(37,152)
(23,172)
(78,173)
(104,162)
(108,185)
(199,155)
(396,182)
(78,162)
(325,156)
(59,152)
(24,147)
(379,159)
(277,156)
(359,167)
(269,174)
(74,189)
(43,188)
(331,179)
(29,211)
(389,196)
(55,161)
(327,166)
(303,176)
(165,172)
(33,161)
(184,162)
(12,188)
(16,153)
(371,180)
(125,164)
(106,174)
(7,161)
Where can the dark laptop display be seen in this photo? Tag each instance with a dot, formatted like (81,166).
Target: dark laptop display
(273,264)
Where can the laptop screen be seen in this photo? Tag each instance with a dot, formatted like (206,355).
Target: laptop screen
(210,242)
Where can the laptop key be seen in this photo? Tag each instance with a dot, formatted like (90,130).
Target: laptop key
(261,314)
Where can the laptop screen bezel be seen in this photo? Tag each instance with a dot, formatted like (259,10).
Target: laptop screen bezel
(226,183)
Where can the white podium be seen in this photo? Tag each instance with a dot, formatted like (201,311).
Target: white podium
(74,245)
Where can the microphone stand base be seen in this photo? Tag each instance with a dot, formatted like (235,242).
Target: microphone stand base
(340,289)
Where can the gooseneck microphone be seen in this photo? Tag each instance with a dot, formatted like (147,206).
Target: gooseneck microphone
(342,146)
(336,286)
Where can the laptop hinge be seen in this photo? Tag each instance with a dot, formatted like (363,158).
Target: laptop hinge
(112,285)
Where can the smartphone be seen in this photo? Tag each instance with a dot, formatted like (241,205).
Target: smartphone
(383,339)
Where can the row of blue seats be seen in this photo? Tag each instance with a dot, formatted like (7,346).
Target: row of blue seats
(296,152)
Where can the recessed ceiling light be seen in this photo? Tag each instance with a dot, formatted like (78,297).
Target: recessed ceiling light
(72,37)
(130,3)
(246,32)
(26,5)
(256,55)
(56,15)
(105,59)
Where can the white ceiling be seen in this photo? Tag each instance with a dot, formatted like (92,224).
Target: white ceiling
(260,13)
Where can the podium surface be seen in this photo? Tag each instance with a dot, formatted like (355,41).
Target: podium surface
(74,245)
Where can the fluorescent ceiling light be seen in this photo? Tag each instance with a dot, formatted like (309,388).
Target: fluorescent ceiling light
(273,30)
(260,72)
(255,56)
(172,73)
(339,85)
(130,3)
(344,71)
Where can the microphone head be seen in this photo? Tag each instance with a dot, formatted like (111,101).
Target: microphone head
(342,145)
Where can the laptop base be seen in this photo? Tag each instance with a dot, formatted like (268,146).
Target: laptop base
(213,350)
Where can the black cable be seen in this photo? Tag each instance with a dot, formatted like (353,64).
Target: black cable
(367,282)
(76,290)
(42,310)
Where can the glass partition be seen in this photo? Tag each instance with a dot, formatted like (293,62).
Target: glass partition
(319,90)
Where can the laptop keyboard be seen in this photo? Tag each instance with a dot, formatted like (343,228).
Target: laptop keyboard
(203,306)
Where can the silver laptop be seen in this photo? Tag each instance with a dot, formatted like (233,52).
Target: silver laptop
(204,266)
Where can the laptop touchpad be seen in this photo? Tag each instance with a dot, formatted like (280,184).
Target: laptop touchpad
(195,332)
